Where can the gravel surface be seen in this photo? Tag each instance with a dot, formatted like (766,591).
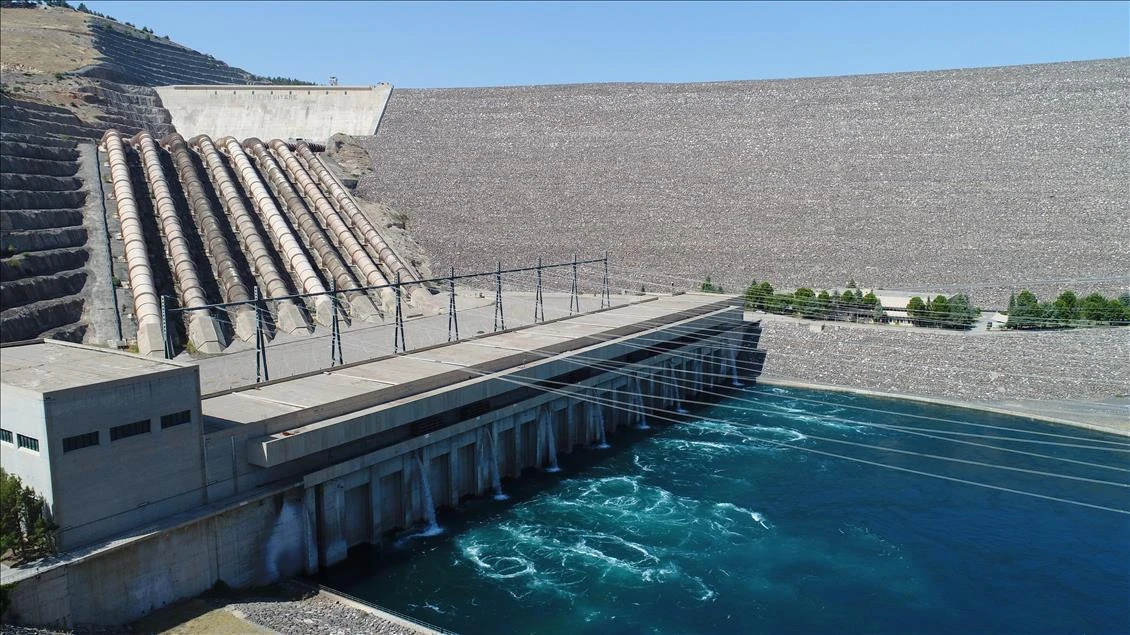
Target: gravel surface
(316,615)
(1082,364)
(1000,177)
(313,615)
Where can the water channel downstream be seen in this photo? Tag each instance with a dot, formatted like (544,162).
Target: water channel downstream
(785,510)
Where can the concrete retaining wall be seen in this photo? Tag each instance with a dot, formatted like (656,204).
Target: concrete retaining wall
(313,113)
(243,546)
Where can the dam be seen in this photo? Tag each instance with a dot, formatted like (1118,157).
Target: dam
(169,223)
(281,478)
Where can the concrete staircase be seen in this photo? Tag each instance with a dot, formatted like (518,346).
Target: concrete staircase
(42,238)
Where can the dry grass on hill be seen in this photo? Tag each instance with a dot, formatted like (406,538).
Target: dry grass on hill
(45,41)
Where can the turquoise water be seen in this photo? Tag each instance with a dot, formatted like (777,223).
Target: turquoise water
(731,521)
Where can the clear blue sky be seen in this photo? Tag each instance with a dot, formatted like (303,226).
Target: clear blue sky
(414,45)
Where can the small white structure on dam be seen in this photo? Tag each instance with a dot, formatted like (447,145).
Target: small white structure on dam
(313,113)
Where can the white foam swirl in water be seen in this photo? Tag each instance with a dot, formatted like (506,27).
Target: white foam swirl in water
(795,411)
(641,466)
(705,441)
(627,531)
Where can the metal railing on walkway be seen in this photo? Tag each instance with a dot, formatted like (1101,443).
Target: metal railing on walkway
(174,330)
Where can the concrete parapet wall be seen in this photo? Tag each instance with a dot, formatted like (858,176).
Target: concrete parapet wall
(284,112)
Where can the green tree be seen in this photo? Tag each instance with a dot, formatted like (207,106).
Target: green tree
(871,301)
(962,312)
(916,310)
(766,291)
(26,528)
(1094,308)
(804,301)
(824,305)
(1123,303)
(1024,311)
(710,287)
(11,535)
(752,296)
(939,310)
(1064,311)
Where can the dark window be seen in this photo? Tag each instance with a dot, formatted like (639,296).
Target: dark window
(175,419)
(27,442)
(6,436)
(80,441)
(129,429)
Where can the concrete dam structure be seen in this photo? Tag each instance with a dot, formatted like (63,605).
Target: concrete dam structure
(284,477)
(313,113)
(186,207)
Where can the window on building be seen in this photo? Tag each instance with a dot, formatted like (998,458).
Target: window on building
(6,436)
(80,441)
(27,442)
(129,430)
(175,419)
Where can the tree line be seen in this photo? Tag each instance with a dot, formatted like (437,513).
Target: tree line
(954,312)
(1025,311)
(853,305)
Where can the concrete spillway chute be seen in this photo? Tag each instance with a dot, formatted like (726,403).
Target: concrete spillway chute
(146,306)
(360,304)
(280,230)
(289,317)
(203,331)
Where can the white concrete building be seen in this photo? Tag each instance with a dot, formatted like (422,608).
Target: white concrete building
(110,440)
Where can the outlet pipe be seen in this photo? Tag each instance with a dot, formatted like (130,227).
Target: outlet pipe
(360,304)
(220,254)
(289,317)
(283,236)
(333,221)
(146,305)
(349,209)
(203,331)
